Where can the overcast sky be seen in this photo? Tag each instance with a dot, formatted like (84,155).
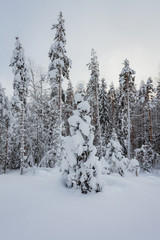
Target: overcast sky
(116,29)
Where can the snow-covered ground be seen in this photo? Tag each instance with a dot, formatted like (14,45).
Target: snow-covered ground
(40,207)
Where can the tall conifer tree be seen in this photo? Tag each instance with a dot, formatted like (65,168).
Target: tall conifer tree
(58,69)
(93,98)
(104,115)
(19,100)
(127,98)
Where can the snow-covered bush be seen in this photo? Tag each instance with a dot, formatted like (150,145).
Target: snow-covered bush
(147,157)
(49,159)
(134,166)
(81,167)
(115,162)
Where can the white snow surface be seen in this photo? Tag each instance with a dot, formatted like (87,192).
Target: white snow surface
(39,206)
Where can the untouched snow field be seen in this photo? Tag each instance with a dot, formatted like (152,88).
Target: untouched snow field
(40,207)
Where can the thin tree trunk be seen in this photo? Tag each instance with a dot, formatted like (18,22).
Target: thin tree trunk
(98,123)
(143,131)
(129,126)
(22,150)
(60,116)
(6,155)
(113,113)
(60,110)
(150,125)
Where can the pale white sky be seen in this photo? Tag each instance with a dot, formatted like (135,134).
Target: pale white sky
(116,29)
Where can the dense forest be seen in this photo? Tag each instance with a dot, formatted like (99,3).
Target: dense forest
(86,132)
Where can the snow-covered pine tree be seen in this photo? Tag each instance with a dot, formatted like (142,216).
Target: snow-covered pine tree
(5,119)
(104,115)
(112,105)
(57,70)
(121,119)
(19,105)
(157,135)
(115,162)
(140,119)
(158,90)
(68,108)
(92,98)
(149,105)
(118,116)
(127,88)
(81,167)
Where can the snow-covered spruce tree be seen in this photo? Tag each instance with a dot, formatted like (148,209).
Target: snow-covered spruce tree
(115,110)
(57,70)
(114,161)
(140,116)
(158,90)
(127,99)
(157,135)
(104,115)
(93,99)
(5,119)
(112,104)
(68,107)
(149,105)
(19,103)
(120,123)
(81,167)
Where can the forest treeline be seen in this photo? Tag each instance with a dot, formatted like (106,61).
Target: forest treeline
(104,124)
